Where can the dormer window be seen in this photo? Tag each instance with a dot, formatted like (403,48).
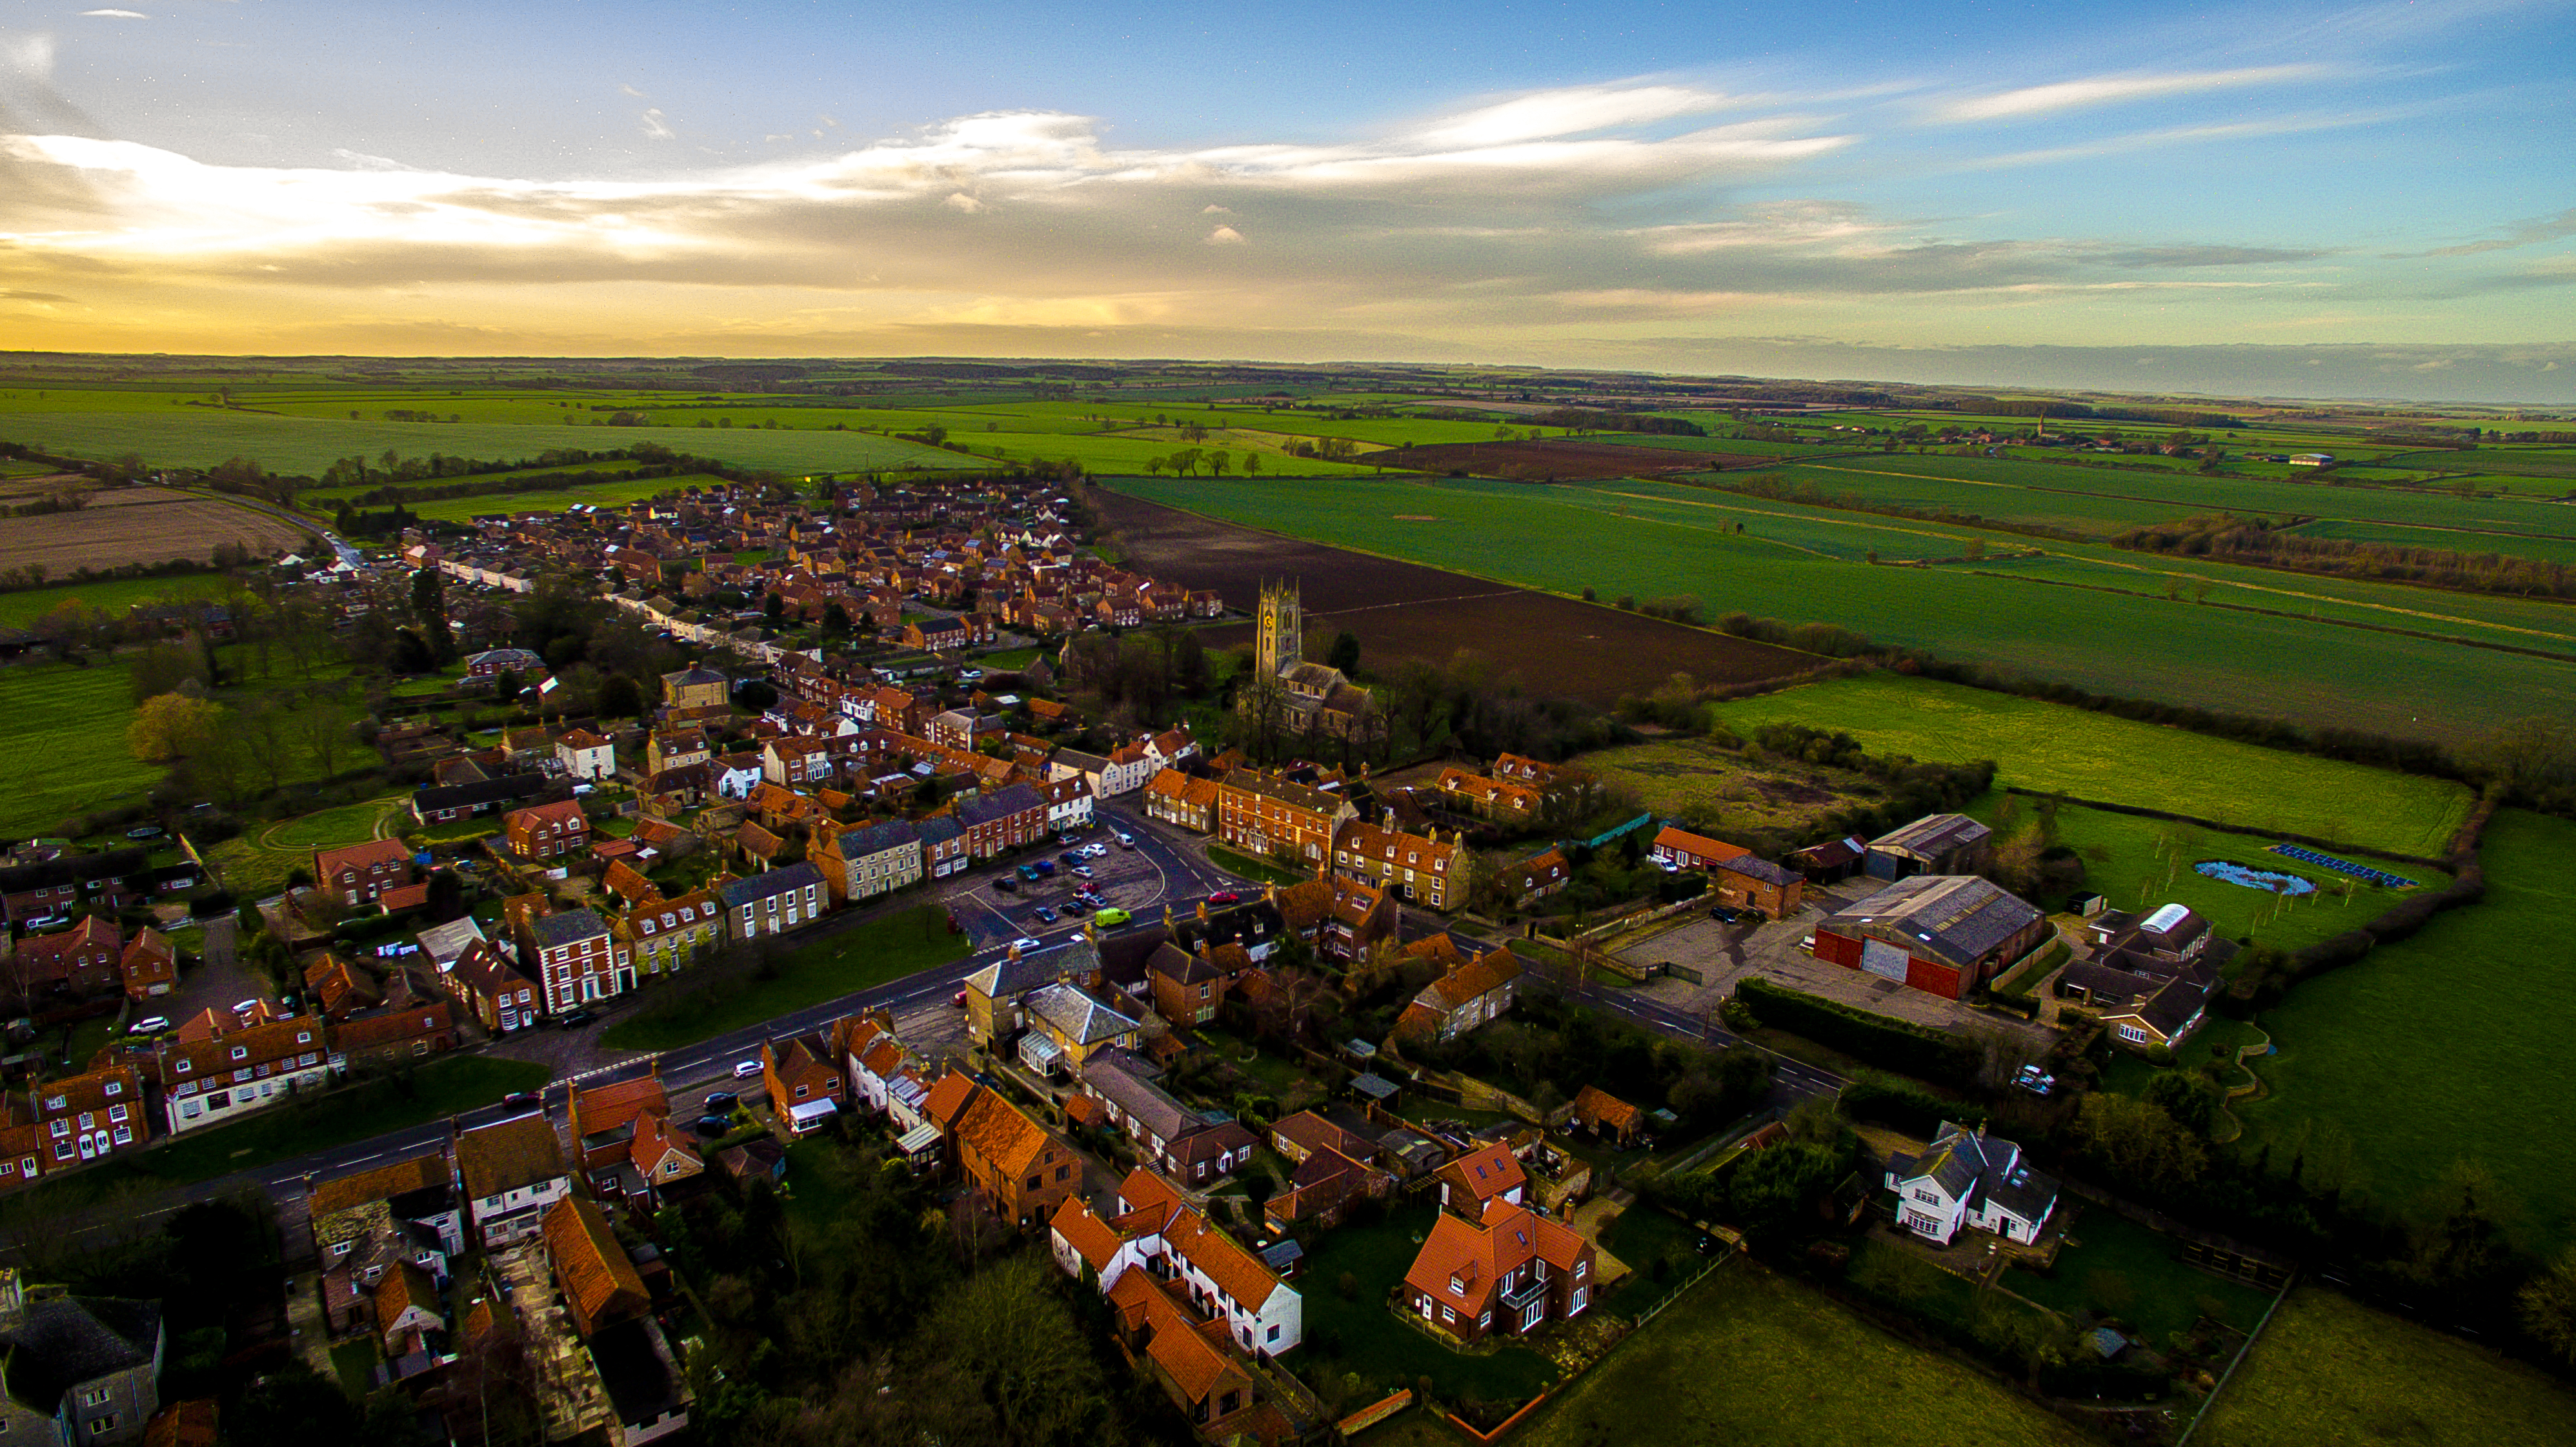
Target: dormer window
(116,1087)
(241,1052)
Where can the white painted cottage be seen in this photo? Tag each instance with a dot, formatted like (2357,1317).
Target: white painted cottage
(1970,1179)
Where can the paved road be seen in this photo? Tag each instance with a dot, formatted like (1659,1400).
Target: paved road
(1791,1080)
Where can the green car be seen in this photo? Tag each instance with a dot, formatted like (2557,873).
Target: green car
(1107,917)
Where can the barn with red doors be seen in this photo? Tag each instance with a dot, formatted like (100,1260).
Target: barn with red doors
(1944,934)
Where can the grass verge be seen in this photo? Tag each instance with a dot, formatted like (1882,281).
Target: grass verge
(873,953)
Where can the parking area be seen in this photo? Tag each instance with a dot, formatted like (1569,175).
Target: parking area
(998,906)
(1724,953)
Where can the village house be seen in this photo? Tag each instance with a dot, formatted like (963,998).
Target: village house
(85,1117)
(676,748)
(1008,818)
(149,966)
(235,1071)
(578,959)
(491,989)
(1067,1028)
(83,960)
(1972,1180)
(1022,1169)
(1506,1269)
(1176,1139)
(598,1284)
(1537,877)
(377,1220)
(1185,800)
(772,902)
(586,756)
(1749,883)
(1413,867)
(1267,816)
(1156,1234)
(664,936)
(861,863)
(1469,994)
(547,831)
(1188,988)
(693,690)
(509,1173)
(84,1371)
(1678,848)
(804,1087)
(356,874)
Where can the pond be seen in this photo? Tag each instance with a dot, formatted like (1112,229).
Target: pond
(2245,874)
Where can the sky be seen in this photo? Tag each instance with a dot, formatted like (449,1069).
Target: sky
(2374,200)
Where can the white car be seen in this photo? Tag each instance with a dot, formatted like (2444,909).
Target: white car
(244,1007)
(1094,851)
(746,1069)
(1026,943)
(148,1025)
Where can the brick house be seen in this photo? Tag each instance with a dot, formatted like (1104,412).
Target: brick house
(82,960)
(865,862)
(233,1072)
(491,989)
(1681,849)
(1019,1165)
(91,1116)
(1266,816)
(1506,1270)
(664,936)
(547,831)
(944,848)
(1413,867)
(1750,883)
(577,959)
(1183,799)
(396,1032)
(804,1087)
(1538,876)
(1008,818)
(149,966)
(599,1284)
(358,873)
(1188,988)
(1468,995)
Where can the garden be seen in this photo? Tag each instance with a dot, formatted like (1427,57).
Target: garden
(2329,1369)
(2113,1267)
(1358,1348)
(885,948)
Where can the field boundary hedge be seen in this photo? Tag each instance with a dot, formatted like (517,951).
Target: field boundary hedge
(2256,989)
(2312,841)
(1903,1045)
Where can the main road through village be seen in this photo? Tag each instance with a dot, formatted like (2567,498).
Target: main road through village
(1159,871)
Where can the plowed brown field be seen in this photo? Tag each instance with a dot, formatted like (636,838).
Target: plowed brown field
(138,525)
(1550,461)
(1559,647)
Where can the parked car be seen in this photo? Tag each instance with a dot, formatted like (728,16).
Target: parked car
(721,1100)
(1225,896)
(1070,856)
(1126,841)
(244,1007)
(1726,912)
(2035,1080)
(746,1070)
(1029,872)
(712,1126)
(144,831)
(1026,943)
(1084,870)
(1045,867)
(575,1019)
(1808,944)
(960,1001)
(1045,913)
(523,1100)
(148,1025)
(1095,851)
(1003,883)
(1107,917)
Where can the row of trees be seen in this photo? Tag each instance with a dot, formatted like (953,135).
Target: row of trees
(2269,542)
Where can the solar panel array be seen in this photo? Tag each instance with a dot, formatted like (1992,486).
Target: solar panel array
(2362,872)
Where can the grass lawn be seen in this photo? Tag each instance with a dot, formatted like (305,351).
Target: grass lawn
(115,596)
(1641,1237)
(255,864)
(2089,755)
(1360,1335)
(2473,1015)
(1748,1358)
(2148,862)
(355,1363)
(2332,1370)
(873,953)
(2116,1266)
(73,719)
(1275,1075)
(1694,776)
(1260,870)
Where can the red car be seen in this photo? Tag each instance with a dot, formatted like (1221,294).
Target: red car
(1225,896)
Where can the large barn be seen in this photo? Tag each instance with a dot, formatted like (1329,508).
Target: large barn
(1944,934)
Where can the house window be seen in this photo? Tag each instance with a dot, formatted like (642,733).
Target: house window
(101,1426)
(95,1396)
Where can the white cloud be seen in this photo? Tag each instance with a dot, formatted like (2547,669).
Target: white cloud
(1570,111)
(2114,89)
(117,14)
(1212,209)
(625,89)
(2191,135)
(960,201)
(1225,236)
(29,55)
(656,127)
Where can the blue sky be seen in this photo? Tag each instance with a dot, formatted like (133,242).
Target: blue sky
(2371,200)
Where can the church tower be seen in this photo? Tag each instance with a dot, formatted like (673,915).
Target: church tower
(1283,636)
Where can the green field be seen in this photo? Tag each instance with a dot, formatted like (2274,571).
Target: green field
(853,959)
(2475,543)
(2149,862)
(66,724)
(113,595)
(2330,1370)
(609,492)
(201,437)
(255,865)
(2096,756)
(2450,1044)
(2320,652)
(1748,1358)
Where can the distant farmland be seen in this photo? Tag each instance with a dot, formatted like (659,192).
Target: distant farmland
(139,525)
(1545,461)
(2319,651)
